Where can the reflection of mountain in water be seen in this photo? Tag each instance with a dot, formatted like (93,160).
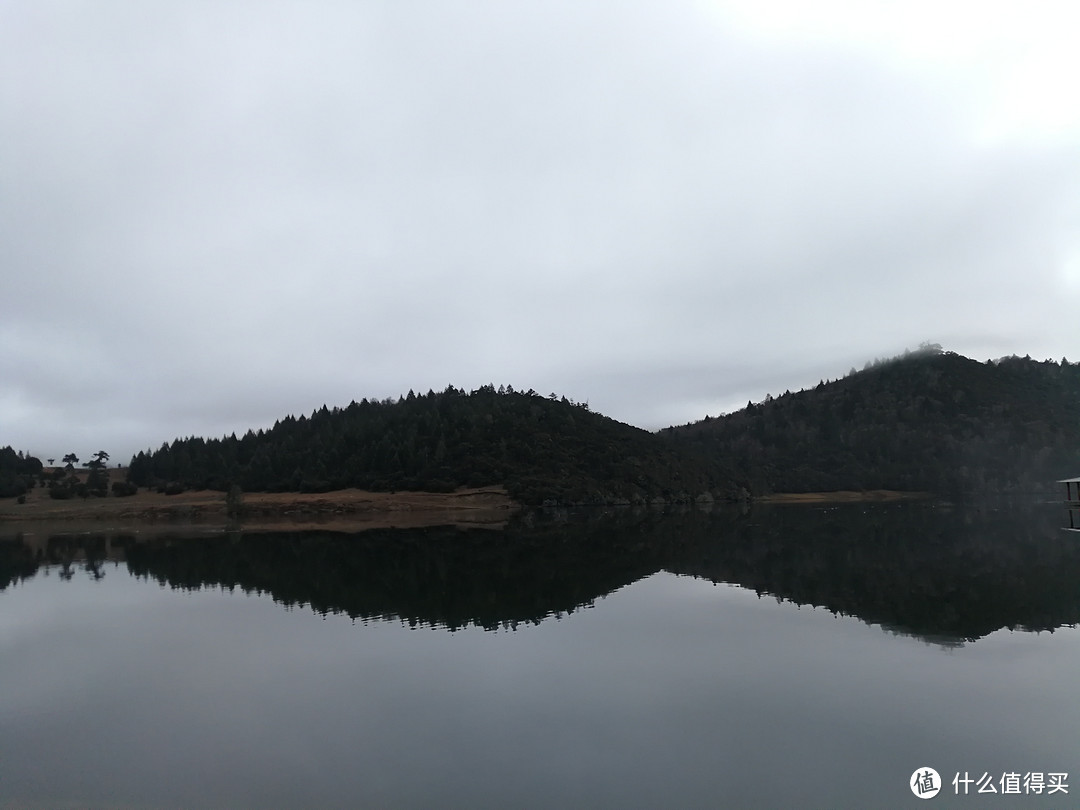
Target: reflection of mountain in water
(438,576)
(938,573)
(935,572)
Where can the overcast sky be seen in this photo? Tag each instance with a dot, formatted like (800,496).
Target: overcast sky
(213,214)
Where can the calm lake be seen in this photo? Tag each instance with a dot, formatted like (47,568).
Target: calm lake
(786,656)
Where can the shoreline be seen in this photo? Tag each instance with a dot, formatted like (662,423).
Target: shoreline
(338,510)
(294,511)
(843,496)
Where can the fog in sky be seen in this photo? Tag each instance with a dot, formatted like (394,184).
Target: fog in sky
(213,214)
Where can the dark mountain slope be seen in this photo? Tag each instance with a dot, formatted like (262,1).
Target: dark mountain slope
(540,448)
(930,420)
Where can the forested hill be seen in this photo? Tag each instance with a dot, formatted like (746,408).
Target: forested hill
(928,421)
(540,448)
(931,420)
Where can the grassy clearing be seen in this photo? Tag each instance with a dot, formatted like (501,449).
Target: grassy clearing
(265,510)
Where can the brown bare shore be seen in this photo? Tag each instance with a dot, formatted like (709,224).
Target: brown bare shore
(340,510)
(846,496)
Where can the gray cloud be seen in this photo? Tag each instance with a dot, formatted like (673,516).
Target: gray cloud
(213,214)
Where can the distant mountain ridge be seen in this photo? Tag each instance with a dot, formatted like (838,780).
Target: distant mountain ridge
(541,448)
(930,421)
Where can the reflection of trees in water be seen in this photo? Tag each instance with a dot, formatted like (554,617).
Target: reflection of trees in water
(946,575)
(935,572)
(18,562)
(21,557)
(438,576)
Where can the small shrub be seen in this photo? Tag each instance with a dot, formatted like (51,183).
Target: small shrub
(11,487)
(122,489)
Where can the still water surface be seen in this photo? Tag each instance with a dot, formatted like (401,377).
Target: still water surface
(788,657)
